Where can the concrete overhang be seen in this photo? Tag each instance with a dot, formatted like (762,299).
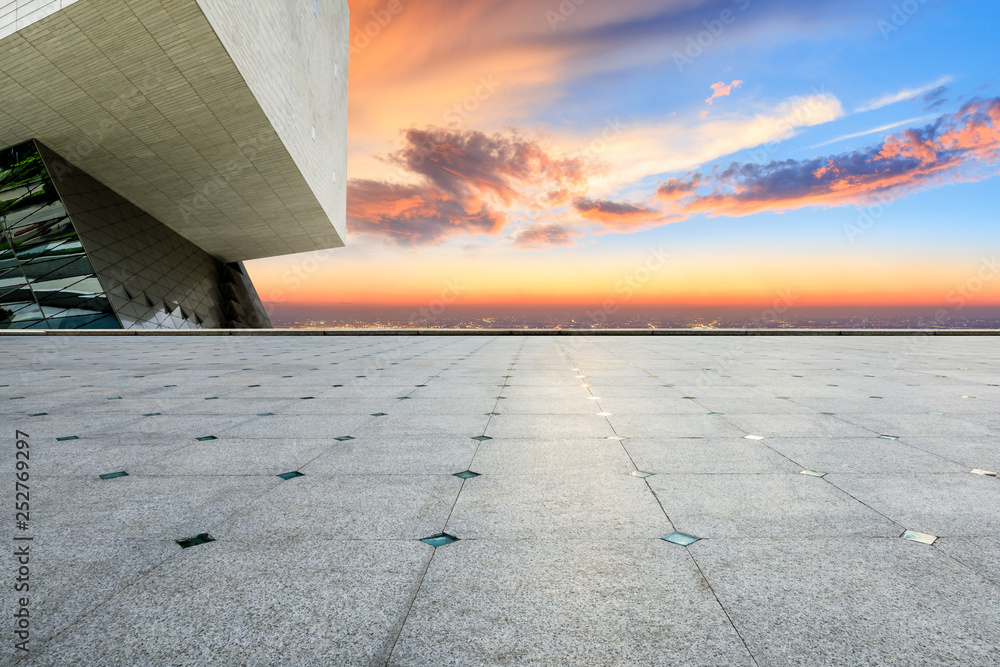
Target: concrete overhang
(224,119)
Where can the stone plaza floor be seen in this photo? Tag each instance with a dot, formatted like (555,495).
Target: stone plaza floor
(589,451)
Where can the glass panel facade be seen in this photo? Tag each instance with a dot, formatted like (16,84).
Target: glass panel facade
(46,278)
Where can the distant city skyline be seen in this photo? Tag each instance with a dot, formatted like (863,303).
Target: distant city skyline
(720,154)
(491,317)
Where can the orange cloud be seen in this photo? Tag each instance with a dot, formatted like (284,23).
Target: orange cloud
(541,236)
(617,215)
(466,181)
(953,148)
(721,89)
(415,215)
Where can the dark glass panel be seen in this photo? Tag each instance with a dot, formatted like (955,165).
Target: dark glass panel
(54,284)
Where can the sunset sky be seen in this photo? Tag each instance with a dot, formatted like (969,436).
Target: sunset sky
(665,153)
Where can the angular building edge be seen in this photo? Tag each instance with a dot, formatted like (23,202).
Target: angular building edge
(149,276)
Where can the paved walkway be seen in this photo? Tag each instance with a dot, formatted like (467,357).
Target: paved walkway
(560,558)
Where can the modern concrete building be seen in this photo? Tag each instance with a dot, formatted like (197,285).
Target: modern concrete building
(148,147)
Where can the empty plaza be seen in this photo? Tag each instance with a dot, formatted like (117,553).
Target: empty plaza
(544,473)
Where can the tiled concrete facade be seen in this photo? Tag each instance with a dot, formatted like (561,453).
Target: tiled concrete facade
(153,277)
(151,98)
(18,14)
(294,56)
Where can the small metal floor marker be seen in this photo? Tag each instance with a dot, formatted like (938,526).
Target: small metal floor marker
(682,539)
(113,475)
(492,414)
(690,398)
(812,473)
(380,414)
(291,475)
(888,437)
(753,437)
(439,540)
(206,437)
(923,538)
(344,438)
(481,438)
(466,474)
(603,414)
(641,474)
(68,437)
(202,538)
(617,437)
(988,473)
(404,398)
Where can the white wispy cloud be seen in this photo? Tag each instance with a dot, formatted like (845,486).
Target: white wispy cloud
(907,94)
(875,130)
(683,143)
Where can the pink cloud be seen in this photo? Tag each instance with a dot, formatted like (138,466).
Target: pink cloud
(721,89)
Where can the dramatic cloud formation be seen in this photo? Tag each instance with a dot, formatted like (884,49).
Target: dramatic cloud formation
(415,215)
(963,146)
(466,180)
(541,236)
(722,90)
